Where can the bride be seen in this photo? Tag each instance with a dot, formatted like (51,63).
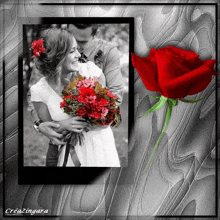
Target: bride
(56,57)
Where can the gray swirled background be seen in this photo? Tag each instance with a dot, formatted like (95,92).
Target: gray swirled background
(181,178)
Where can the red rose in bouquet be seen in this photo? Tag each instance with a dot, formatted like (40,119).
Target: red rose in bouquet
(86,98)
(81,111)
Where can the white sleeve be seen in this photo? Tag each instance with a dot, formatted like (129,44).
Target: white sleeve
(37,94)
(89,69)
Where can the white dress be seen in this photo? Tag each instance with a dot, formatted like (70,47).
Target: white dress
(98,148)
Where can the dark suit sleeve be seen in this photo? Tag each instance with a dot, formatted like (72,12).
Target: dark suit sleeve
(113,75)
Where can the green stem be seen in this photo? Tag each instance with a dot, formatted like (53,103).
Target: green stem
(167,119)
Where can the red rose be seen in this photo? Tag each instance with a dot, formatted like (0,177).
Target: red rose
(174,72)
(87,95)
(112,104)
(81,112)
(85,91)
(110,94)
(42,50)
(36,54)
(95,114)
(76,98)
(113,110)
(67,96)
(63,104)
(38,47)
(101,102)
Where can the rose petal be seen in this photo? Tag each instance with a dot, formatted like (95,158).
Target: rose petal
(147,69)
(203,82)
(42,50)
(188,55)
(199,85)
(187,58)
(168,67)
(185,85)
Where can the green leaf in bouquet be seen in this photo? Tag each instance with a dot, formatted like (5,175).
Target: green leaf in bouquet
(114,100)
(66,111)
(68,100)
(75,91)
(74,108)
(91,120)
(106,97)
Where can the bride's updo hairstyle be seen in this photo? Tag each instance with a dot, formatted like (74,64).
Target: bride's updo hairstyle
(57,44)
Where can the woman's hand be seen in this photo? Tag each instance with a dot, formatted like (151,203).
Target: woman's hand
(76,124)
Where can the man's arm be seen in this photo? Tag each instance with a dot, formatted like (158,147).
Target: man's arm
(47,127)
(114,79)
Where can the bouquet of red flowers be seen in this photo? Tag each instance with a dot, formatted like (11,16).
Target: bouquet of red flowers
(85,97)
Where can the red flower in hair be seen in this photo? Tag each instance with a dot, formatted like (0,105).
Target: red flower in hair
(38,47)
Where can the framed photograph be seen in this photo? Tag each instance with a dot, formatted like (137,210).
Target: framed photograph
(94,116)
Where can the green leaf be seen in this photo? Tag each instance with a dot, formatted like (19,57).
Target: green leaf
(191,100)
(157,106)
(65,110)
(145,97)
(68,100)
(173,102)
(155,97)
(106,97)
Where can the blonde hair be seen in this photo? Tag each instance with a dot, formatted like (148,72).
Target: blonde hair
(58,43)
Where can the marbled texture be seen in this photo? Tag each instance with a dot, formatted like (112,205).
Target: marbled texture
(181,180)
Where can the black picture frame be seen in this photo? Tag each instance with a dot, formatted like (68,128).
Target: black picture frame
(70,175)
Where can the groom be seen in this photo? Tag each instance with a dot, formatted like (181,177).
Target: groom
(104,55)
